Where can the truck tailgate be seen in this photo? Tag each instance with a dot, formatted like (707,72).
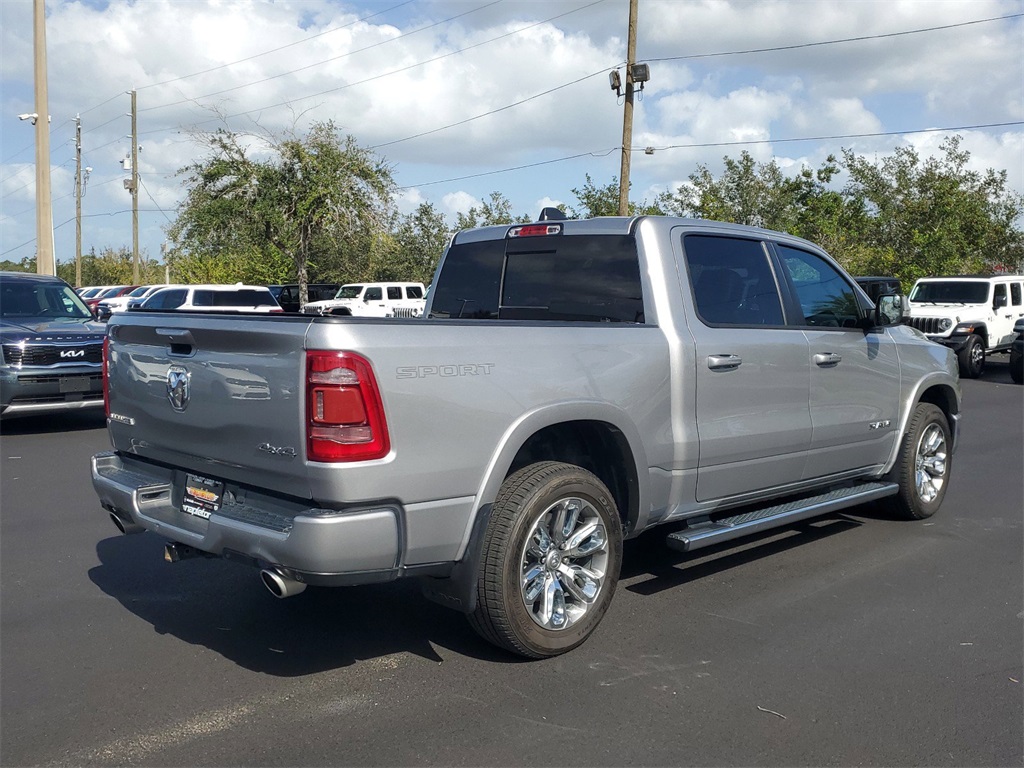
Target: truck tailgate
(209,394)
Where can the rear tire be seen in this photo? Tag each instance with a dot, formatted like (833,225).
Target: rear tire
(550,563)
(923,466)
(972,358)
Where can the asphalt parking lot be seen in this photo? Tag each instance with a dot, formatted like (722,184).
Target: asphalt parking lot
(851,640)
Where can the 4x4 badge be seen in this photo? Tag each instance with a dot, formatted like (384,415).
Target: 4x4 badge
(177,387)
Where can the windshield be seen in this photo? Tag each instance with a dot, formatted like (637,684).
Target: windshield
(349,292)
(142,290)
(50,300)
(951,292)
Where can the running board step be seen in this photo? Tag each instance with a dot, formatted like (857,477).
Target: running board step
(710,532)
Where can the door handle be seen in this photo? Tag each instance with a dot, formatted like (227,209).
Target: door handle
(724,362)
(825,359)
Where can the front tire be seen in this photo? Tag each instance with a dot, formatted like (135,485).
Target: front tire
(550,562)
(923,466)
(972,358)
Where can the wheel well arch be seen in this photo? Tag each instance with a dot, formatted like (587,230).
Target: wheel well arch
(943,397)
(596,446)
(981,331)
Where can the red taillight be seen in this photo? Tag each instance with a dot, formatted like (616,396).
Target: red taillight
(535,230)
(344,411)
(106,378)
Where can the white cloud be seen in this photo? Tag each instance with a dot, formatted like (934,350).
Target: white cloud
(458,202)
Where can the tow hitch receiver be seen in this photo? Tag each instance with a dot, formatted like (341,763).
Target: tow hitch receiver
(173,552)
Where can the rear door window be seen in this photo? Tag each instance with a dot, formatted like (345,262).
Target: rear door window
(394,293)
(732,281)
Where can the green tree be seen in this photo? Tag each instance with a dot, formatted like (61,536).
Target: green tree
(420,239)
(758,195)
(495,210)
(604,201)
(112,266)
(903,216)
(315,203)
(936,216)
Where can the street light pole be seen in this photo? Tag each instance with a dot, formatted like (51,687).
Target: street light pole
(44,201)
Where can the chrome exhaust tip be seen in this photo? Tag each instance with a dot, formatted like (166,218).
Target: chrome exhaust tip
(279,585)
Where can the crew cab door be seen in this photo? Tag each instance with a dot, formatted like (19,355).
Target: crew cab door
(752,371)
(854,374)
(1006,308)
(373,297)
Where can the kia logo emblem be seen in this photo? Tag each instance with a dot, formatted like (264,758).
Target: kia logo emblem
(72,353)
(177,387)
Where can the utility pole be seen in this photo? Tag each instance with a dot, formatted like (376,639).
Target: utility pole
(627,111)
(79,193)
(135,193)
(44,200)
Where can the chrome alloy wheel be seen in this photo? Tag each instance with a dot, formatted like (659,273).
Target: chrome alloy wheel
(564,563)
(930,463)
(977,355)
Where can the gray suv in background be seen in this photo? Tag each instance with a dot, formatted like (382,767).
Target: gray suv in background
(52,348)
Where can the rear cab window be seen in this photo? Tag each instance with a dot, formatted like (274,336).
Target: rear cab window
(589,278)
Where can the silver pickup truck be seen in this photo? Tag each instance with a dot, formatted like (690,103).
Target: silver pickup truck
(572,384)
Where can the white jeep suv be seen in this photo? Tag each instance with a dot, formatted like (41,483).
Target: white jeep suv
(972,315)
(372,300)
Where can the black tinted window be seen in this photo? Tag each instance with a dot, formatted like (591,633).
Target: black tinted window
(394,293)
(826,298)
(373,294)
(470,280)
(593,278)
(1015,294)
(732,281)
(166,299)
(413,292)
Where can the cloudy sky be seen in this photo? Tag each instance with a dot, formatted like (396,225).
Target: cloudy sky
(466,97)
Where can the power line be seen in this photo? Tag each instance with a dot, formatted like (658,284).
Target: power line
(832,138)
(248,58)
(150,196)
(283,47)
(403,69)
(491,112)
(605,153)
(324,61)
(598,153)
(835,42)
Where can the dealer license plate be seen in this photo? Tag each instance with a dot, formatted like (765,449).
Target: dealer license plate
(202,496)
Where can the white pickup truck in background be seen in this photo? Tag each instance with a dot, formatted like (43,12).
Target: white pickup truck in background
(372,300)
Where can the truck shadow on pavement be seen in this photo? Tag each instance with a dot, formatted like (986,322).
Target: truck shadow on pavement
(225,607)
(51,423)
(648,555)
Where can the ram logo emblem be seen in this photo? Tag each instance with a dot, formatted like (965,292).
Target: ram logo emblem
(177,387)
